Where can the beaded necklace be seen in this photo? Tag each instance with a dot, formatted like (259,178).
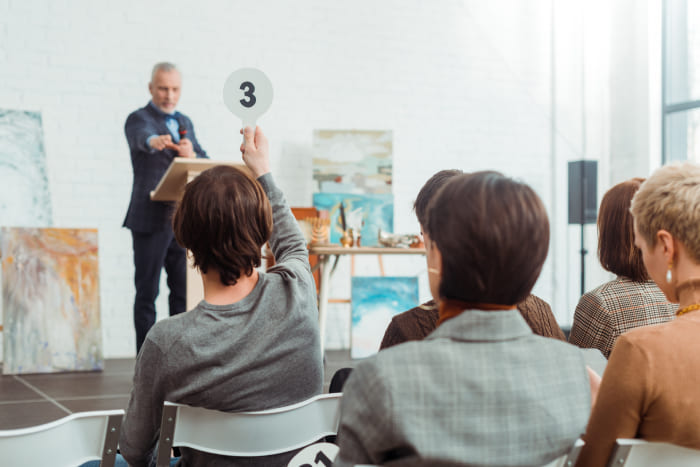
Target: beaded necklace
(688,309)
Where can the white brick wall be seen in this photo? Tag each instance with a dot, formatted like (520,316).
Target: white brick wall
(462,84)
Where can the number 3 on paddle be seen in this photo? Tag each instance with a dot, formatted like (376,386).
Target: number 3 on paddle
(248,94)
(249,89)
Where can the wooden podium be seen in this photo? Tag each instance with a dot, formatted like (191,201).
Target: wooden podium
(170,188)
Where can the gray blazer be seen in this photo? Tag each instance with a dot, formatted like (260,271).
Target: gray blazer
(482,389)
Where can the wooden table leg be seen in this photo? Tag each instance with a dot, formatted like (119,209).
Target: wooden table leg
(323,297)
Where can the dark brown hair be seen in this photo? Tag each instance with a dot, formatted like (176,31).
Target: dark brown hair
(616,249)
(493,235)
(426,193)
(224,219)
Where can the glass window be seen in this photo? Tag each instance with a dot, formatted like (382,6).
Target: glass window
(682,137)
(681,88)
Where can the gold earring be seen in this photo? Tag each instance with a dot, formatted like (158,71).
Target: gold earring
(669,276)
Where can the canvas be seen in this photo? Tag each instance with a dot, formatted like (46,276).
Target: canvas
(352,161)
(51,304)
(368,213)
(375,300)
(24,186)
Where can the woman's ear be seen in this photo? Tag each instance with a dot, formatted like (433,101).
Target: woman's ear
(666,241)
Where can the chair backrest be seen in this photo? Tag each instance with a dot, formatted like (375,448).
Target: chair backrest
(70,441)
(569,459)
(640,453)
(248,434)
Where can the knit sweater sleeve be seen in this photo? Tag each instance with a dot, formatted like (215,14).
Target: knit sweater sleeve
(540,318)
(287,241)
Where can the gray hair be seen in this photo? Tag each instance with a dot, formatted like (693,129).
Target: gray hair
(163,66)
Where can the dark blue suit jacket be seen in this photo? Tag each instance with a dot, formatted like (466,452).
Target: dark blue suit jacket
(145,215)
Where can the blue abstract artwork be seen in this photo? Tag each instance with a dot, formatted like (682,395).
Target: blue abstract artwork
(375,300)
(24,188)
(367,213)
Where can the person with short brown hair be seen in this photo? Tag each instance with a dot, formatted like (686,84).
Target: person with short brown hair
(223,220)
(649,390)
(253,343)
(482,388)
(418,322)
(632,299)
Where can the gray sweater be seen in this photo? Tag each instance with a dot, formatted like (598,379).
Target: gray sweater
(259,353)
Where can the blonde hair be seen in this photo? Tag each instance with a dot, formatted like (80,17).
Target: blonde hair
(670,200)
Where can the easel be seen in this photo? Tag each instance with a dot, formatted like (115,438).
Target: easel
(325,252)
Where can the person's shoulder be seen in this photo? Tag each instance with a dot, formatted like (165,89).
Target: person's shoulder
(164,331)
(645,335)
(140,113)
(184,117)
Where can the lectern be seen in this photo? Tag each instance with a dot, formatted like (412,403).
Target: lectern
(170,188)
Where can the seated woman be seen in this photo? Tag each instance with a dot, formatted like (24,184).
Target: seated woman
(418,322)
(253,342)
(482,388)
(632,299)
(650,386)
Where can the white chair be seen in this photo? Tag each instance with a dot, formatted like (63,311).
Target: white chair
(640,453)
(70,441)
(248,434)
(569,459)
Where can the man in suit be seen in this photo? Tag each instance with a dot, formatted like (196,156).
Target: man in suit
(156,134)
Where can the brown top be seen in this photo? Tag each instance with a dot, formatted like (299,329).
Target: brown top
(649,391)
(418,322)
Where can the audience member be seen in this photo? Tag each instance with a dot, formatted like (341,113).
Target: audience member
(253,342)
(418,322)
(650,386)
(482,388)
(632,299)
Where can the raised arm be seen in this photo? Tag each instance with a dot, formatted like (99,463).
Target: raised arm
(287,241)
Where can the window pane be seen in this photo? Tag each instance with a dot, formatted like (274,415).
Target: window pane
(682,135)
(682,51)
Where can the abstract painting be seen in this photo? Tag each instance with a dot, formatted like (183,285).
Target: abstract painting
(374,301)
(366,213)
(352,161)
(50,298)
(24,186)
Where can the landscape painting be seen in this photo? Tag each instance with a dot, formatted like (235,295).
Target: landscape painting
(50,298)
(375,300)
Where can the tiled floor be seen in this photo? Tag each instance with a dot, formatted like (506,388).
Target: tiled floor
(27,400)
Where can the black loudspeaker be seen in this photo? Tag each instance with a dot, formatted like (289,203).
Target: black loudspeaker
(583,189)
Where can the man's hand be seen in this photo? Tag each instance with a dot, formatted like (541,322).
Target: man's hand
(163,142)
(184,148)
(255,151)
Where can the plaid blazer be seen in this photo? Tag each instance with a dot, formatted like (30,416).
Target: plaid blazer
(615,307)
(481,389)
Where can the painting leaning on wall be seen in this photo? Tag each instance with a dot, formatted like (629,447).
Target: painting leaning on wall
(51,305)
